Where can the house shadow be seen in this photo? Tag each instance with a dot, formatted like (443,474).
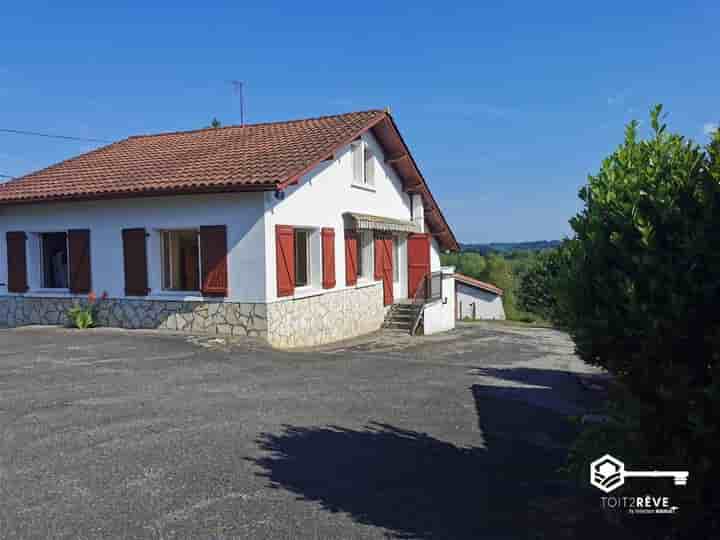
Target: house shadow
(415,485)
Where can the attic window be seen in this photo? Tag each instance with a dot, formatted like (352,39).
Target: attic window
(368,171)
(363,164)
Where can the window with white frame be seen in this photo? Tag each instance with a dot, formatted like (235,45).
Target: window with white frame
(363,163)
(396,259)
(368,166)
(181,260)
(302,257)
(54,260)
(366,256)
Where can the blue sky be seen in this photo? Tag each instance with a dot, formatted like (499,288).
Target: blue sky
(506,108)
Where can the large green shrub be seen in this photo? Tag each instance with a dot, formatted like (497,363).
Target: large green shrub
(537,285)
(641,295)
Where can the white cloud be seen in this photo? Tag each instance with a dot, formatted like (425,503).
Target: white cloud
(710,127)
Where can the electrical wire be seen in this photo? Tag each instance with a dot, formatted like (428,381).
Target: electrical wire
(50,136)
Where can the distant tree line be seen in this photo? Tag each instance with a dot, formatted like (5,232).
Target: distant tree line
(502,269)
(509,247)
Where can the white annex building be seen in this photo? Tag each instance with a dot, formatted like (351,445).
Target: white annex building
(475,299)
(301,232)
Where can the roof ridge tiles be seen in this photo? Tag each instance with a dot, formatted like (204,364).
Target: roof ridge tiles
(257,124)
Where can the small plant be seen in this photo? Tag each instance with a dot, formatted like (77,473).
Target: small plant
(85,316)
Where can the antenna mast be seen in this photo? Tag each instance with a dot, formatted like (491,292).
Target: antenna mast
(238,89)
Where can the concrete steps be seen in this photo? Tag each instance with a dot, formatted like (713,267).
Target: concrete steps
(401,317)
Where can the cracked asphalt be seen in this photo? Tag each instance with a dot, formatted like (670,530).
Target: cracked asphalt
(116,434)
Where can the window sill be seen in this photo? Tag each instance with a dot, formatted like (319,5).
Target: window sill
(364,187)
(178,296)
(49,293)
(306,292)
(365,283)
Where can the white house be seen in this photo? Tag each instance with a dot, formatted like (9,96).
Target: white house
(303,232)
(475,299)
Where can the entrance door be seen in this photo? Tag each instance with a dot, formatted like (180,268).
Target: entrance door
(418,256)
(384,266)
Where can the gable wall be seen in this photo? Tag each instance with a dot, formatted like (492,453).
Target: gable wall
(324,195)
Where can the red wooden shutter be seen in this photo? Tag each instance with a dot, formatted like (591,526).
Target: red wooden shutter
(328,257)
(16,262)
(351,255)
(285,259)
(378,257)
(135,260)
(79,255)
(418,253)
(213,253)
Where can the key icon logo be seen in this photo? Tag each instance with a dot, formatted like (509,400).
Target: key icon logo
(608,473)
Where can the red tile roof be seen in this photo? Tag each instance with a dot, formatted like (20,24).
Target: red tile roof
(472,282)
(254,157)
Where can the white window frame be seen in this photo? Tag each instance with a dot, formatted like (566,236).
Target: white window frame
(366,255)
(44,287)
(35,267)
(396,258)
(368,177)
(162,263)
(308,256)
(363,177)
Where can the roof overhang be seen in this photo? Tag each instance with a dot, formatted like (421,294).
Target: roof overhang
(477,284)
(398,156)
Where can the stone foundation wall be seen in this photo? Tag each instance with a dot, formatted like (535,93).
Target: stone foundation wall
(202,317)
(315,320)
(325,318)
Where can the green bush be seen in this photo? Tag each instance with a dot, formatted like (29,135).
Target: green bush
(640,292)
(539,288)
(536,286)
(84,315)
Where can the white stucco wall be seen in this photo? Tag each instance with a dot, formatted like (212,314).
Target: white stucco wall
(487,305)
(440,315)
(322,197)
(435,264)
(241,213)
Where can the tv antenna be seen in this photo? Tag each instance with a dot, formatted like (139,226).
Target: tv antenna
(238,90)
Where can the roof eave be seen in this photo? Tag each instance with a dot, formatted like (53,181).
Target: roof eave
(416,182)
(135,193)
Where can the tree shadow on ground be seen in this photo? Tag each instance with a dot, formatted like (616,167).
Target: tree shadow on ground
(417,486)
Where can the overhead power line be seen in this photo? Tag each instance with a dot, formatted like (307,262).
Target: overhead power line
(50,136)
(6,175)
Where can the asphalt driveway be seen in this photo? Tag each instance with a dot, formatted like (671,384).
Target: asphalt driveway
(114,434)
